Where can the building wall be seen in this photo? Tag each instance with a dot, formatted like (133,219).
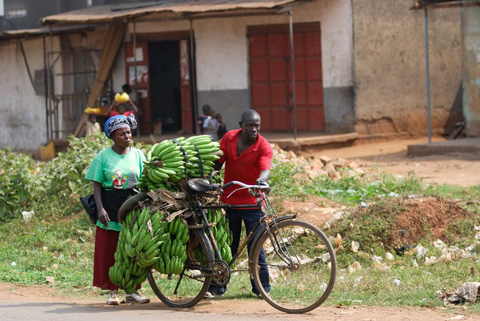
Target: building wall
(222,64)
(389,60)
(23,121)
(223,82)
(471,69)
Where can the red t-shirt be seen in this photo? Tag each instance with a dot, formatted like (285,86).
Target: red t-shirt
(115,113)
(244,168)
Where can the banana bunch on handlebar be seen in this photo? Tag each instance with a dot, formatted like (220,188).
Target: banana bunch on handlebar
(170,161)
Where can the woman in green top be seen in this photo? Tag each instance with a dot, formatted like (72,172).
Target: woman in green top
(114,172)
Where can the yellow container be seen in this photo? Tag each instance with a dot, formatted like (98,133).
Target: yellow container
(47,152)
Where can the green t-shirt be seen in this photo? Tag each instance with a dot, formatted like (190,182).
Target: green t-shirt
(116,171)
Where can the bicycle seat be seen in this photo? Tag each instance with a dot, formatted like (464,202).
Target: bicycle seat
(201,185)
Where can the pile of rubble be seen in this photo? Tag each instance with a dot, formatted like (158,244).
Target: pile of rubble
(418,254)
(315,167)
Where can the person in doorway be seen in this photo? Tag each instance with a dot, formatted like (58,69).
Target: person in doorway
(114,172)
(210,125)
(222,128)
(206,110)
(131,92)
(247,158)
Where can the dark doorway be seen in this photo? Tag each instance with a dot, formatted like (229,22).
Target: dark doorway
(165,85)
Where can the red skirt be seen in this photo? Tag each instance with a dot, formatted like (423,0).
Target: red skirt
(105,247)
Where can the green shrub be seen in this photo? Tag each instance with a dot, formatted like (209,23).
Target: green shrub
(17,176)
(52,187)
(63,180)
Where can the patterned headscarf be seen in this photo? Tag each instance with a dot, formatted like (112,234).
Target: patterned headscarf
(119,121)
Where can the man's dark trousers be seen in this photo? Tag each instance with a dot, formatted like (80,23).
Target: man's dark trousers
(251,217)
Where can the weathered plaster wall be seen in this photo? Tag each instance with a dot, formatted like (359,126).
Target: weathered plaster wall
(222,59)
(389,60)
(471,69)
(23,124)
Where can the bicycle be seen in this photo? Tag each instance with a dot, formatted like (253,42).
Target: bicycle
(300,258)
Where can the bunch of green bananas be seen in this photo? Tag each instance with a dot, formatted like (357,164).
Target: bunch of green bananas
(173,251)
(203,155)
(170,161)
(164,165)
(138,248)
(221,232)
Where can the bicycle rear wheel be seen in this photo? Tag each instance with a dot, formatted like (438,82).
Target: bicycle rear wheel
(188,288)
(301,263)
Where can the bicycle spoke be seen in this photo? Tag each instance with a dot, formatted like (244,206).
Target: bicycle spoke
(301,266)
(187,288)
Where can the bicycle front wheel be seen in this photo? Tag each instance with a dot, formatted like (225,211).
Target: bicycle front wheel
(187,288)
(301,266)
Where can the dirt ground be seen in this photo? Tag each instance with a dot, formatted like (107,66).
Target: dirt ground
(389,156)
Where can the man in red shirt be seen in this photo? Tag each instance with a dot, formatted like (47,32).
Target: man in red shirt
(247,157)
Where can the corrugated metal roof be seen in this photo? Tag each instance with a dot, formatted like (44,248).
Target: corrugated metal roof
(8,34)
(100,14)
(422,4)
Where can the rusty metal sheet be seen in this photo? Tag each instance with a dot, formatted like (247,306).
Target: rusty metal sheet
(435,4)
(107,13)
(45,31)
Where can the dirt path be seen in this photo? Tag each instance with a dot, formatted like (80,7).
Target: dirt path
(391,156)
(247,309)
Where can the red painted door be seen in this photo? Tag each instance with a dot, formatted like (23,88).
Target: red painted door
(270,77)
(140,82)
(185,87)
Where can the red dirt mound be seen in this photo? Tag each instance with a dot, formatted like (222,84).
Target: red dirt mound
(425,217)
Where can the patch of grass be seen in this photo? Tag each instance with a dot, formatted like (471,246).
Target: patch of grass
(352,190)
(418,286)
(454,192)
(462,231)
(48,247)
(281,179)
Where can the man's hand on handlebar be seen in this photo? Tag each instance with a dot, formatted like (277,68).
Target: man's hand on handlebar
(253,189)
(265,187)
(262,183)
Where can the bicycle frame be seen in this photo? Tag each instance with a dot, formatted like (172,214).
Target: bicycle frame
(268,211)
(277,243)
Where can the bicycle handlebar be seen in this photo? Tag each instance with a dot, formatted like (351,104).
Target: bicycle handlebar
(245,185)
(265,187)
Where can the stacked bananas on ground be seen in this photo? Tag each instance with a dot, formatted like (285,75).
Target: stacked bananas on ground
(170,161)
(138,248)
(221,232)
(173,251)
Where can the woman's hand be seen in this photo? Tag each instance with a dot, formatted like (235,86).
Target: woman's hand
(103,216)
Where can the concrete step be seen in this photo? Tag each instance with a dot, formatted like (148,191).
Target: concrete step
(456,146)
